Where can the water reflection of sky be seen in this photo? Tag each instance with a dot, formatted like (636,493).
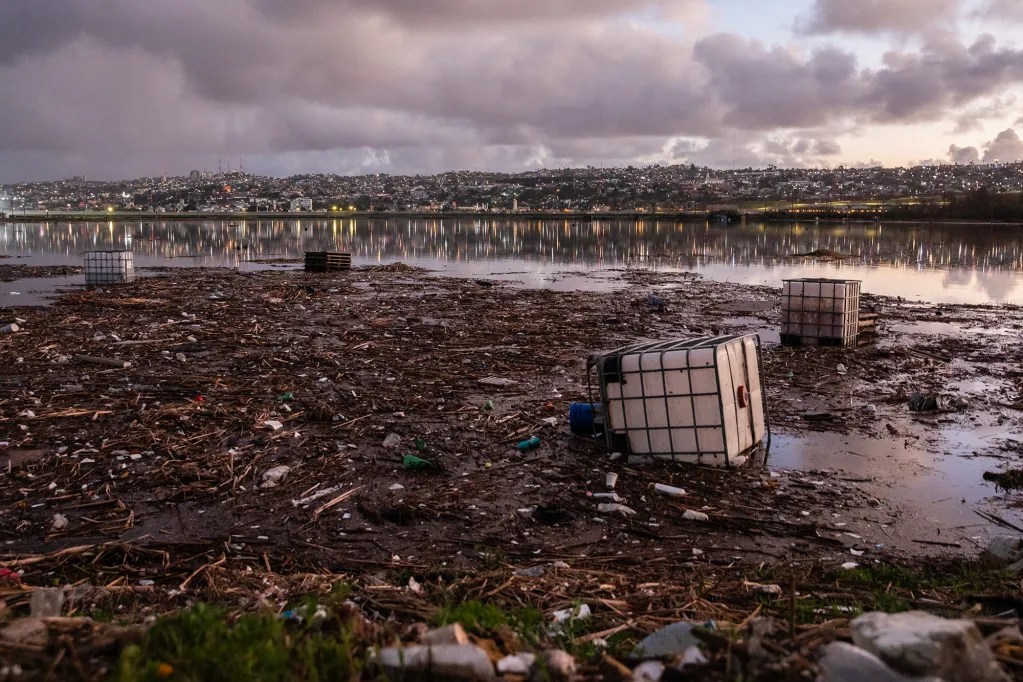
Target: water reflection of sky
(947,263)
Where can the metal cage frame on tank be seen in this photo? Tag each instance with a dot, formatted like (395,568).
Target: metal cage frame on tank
(104,267)
(620,442)
(847,329)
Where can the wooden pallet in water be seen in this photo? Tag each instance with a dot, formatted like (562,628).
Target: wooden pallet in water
(327,261)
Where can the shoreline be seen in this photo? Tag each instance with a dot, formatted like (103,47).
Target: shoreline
(586,217)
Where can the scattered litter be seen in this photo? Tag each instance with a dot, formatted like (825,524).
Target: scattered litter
(669,490)
(918,402)
(499,382)
(580,612)
(273,477)
(273,425)
(614,508)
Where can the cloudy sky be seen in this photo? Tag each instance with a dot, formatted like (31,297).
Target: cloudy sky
(119,88)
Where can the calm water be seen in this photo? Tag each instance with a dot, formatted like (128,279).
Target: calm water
(944,264)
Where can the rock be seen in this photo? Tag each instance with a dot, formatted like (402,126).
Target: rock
(47,602)
(449,634)
(273,425)
(272,477)
(672,640)
(516,664)
(60,522)
(1007,548)
(392,440)
(843,662)
(918,643)
(465,662)
(553,665)
(648,671)
(25,631)
(691,515)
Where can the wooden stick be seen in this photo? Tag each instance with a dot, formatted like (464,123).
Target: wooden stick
(106,362)
(335,501)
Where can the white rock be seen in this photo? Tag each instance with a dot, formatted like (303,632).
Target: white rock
(392,440)
(553,665)
(1006,547)
(918,643)
(843,662)
(648,671)
(443,662)
(273,425)
(449,634)
(59,522)
(396,486)
(272,477)
(691,515)
(516,664)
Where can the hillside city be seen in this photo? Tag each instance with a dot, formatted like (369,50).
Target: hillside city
(657,188)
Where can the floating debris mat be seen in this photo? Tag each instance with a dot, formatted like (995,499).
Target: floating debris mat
(109,267)
(327,261)
(699,401)
(820,312)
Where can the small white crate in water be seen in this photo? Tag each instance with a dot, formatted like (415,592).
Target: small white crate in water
(689,400)
(109,267)
(820,312)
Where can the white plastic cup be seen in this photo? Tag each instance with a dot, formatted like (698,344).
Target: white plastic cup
(9,329)
(612,480)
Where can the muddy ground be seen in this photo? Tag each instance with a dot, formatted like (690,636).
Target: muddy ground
(149,482)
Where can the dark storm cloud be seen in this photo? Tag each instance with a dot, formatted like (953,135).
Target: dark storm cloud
(943,74)
(1011,10)
(406,85)
(874,16)
(447,12)
(766,88)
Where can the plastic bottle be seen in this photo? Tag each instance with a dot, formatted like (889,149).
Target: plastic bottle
(669,490)
(529,443)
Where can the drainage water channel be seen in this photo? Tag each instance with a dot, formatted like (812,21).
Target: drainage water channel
(933,477)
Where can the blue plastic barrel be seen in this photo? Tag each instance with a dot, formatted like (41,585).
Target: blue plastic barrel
(581,418)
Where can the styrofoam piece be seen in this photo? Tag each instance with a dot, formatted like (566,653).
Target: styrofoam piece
(693,400)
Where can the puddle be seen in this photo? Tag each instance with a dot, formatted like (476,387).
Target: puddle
(945,329)
(35,291)
(747,325)
(930,481)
